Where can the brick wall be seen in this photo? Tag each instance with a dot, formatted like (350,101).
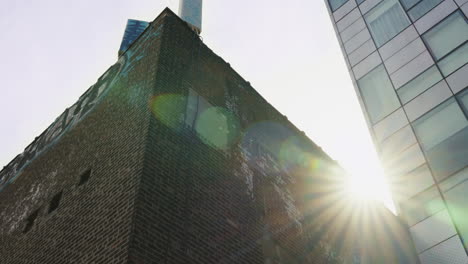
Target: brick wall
(92,223)
(199,202)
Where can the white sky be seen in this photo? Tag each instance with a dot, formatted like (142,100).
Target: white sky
(53,50)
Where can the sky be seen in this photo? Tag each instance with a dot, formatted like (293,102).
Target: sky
(53,50)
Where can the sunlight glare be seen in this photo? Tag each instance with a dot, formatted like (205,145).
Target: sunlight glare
(369,185)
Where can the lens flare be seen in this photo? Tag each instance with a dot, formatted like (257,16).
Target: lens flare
(217,127)
(169,109)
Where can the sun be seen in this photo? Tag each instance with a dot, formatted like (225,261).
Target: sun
(362,187)
(370,185)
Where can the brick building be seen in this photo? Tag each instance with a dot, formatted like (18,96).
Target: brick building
(171,157)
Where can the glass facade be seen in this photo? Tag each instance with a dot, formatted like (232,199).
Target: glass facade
(132,32)
(416,101)
(378,94)
(421,8)
(335,4)
(449,35)
(419,84)
(386,20)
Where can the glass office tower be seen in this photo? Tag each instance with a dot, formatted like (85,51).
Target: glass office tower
(133,30)
(408,61)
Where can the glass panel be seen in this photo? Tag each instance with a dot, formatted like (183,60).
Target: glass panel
(447,35)
(386,20)
(422,8)
(405,162)
(463,97)
(414,182)
(449,156)
(378,94)
(409,3)
(360,1)
(457,201)
(422,206)
(419,84)
(447,252)
(451,182)
(454,60)
(439,124)
(443,134)
(432,231)
(335,4)
(397,142)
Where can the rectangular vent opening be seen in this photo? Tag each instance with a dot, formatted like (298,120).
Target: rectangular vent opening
(84,177)
(55,202)
(30,221)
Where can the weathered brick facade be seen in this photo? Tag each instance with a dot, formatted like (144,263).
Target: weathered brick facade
(171,157)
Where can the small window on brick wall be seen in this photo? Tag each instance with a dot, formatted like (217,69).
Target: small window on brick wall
(30,221)
(55,202)
(84,177)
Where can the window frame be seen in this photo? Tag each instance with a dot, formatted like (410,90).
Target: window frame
(369,27)
(431,50)
(366,104)
(439,178)
(338,7)
(414,6)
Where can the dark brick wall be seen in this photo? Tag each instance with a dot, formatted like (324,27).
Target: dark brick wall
(194,203)
(93,221)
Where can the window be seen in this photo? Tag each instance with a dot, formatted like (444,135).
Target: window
(55,202)
(409,3)
(449,35)
(378,94)
(215,126)
(386,20)
(454,60)
(422,206)
(359,1)
(30,221)
(450,251)
(335,4)
(84,177)
(443,134)
(422,8)
(463,96)
(415,182)
(455,189)
(419,84)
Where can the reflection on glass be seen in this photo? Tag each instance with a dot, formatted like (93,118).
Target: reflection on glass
(386,20)
(422,8)
(335,4)
(447,35)
(422,206)
(415,182)
(378,94)
(419,84)
(454,60)
(439,124)
(450,251)
(432,231)
(409,3)
(443,134)
(457,201)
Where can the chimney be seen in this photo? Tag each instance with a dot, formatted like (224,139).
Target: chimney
(191,12)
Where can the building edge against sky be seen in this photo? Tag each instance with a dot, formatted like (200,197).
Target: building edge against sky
(408,62)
